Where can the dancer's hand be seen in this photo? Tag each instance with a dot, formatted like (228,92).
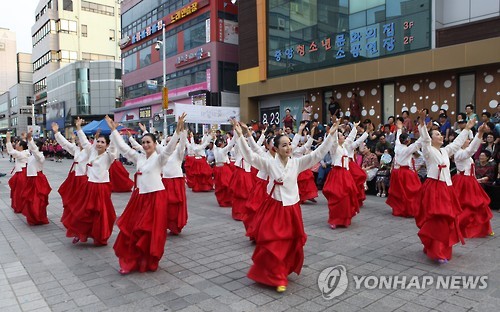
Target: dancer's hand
(180,123)
(78,123)
(237,129)
(55,127)
(482,129)
(470,124)
(111,124)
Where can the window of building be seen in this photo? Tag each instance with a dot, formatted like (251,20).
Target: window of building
(13,102)
(145,57)
(82,91)
(130,63)
(195,36)
(96,57)
(66,26)
(68,5)
(49,4)
(84,30)
(118,74)
(98,8)
(40,85)
(178,79)
(68,56)
(466,90)
(111,35)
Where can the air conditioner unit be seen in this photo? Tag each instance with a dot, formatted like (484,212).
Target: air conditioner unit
(281,23)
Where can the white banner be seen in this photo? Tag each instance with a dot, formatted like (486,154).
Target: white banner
(207,114)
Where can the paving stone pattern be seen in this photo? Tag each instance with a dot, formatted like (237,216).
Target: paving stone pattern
(204,268)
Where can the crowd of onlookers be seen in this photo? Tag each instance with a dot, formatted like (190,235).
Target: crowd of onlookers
(376,154)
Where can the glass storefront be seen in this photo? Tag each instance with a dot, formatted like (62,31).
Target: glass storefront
(305,35)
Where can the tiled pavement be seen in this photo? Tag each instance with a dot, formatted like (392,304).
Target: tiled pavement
(204,269)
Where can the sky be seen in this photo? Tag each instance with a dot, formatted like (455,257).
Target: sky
(19,16)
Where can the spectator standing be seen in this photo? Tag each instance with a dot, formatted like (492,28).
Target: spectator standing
(355,108)
(407,122)
(288,120)
(334,108)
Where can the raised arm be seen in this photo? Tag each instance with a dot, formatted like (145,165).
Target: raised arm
(10,149)
(298,136)
(457,144)
(170,147)
(229,146)
(123,147)
(84,142)
(349,141)
(65,144)
(474,145)
(135,145)
(34,149)
(313,158)
(252,158)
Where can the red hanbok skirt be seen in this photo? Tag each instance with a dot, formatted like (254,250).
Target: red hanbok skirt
(36,199)
(188,164)
(202,175)
(280,238)
(143,232)
(92,215)
(241,183)
(119,178)
(437,219)
(359,176)
(222,180)
(341,193)
(16,184)
(404,192)
(70,191)
(307,185)
(177,214)
(254,202)
(476,213)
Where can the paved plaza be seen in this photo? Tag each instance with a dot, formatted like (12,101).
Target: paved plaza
(204,268)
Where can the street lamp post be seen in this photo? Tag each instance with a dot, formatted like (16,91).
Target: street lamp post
(164,89)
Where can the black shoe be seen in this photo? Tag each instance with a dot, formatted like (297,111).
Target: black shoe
(2,174)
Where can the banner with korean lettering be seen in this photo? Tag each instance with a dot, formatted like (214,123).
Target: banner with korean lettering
(207,114)
(391,32)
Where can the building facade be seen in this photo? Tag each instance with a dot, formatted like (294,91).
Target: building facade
(86,89)
(66,31)
(16,104)
(8,63)
(201,57)
(395,55)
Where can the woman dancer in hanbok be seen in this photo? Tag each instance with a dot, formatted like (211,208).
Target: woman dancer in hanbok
(437,217)
(405,183)
(305,180)
(277,226)
(223,173)
(340,188)
(476,213)
(18,180)
(77,177)
(141,241)
(173,181)
(37,189)
(358,174)
(200,170)
(92,213)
